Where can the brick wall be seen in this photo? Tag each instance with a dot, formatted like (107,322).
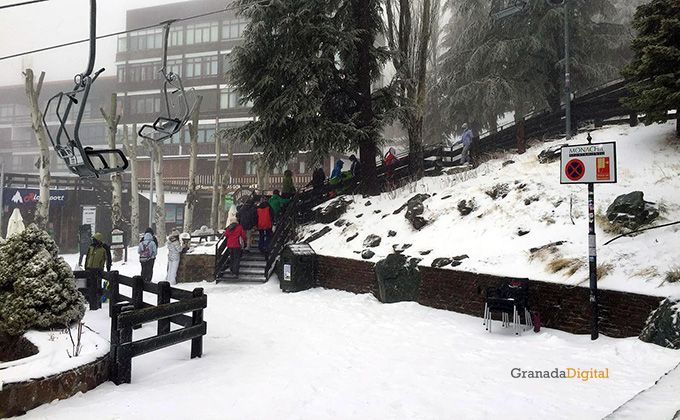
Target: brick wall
(561,307)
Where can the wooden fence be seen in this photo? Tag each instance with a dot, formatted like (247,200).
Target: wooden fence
(92,290)
(130,312)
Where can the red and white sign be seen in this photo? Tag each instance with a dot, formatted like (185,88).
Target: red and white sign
(588,163)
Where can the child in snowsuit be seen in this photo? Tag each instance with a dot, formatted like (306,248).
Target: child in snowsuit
(147,251)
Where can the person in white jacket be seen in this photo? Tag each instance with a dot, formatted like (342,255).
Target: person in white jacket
(174,250)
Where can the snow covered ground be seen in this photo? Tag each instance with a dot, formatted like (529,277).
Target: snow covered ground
(648,160)
(55,350)
(326,354)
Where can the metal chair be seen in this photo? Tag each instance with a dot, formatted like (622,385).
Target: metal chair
(510,298)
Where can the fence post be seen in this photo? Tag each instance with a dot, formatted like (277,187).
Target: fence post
(114,310)
(114,291)
(633,119)
(163,298)
(138,294)
(93,284)
(124,352)
(197,319)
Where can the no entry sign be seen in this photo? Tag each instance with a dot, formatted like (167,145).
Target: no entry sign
(588,163)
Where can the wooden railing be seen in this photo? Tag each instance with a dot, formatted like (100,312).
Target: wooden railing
(130,312)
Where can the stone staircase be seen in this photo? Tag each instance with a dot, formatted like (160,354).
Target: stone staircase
(252,269)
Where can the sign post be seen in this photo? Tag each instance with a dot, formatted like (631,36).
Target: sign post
(590,163)
(118,241)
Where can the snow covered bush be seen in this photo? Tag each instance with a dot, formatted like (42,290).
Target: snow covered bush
(37,288)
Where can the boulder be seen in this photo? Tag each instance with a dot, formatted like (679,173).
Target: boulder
(367,254)
(400,248)
(663,326)
(531,199)
(349,238)
(317,235)
(522,232)
(368,203)
(631,210)
(398,278)
(372,241)
(414,209)
(332,211)
(441,262)
(359,215)
(340,222)
(498,191)
(507,162)
(391,233)
(550,154)
(466,207)
(425,252)
(460,257)
(377,211)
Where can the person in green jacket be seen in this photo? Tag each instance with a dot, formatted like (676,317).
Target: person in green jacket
(277,203)
(98,257)
(288,189)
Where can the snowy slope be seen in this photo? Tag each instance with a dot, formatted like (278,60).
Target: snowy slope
(648,160)
(326,354)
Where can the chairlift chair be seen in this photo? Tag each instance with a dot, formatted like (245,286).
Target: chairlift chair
(177,110)
(83,161)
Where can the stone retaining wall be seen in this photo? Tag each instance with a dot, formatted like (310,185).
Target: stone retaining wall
(196,267)
(18,397)
(561,307)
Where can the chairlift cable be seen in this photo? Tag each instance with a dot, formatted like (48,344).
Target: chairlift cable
(66,44)
(25,3)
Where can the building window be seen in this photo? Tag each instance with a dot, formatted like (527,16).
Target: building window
(192,67)
(251,167)
(176,37)
(121,74)
(233,29)
(201,32)
(175,66)
(122,44)
(230,99)
(145,105)
(146,40)
(6,112)
(303,167)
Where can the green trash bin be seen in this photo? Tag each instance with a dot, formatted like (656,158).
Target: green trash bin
(298,267)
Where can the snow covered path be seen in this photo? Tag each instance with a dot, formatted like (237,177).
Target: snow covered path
(324,354)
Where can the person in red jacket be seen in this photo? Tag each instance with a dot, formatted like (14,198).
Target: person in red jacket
(264,225)
(236,238)
(390,161)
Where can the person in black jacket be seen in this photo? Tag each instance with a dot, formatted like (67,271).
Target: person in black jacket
(356,166)
(247,215)
(318,178)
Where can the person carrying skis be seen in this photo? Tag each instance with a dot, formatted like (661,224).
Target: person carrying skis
(147,251)
(98,256)
(236,238)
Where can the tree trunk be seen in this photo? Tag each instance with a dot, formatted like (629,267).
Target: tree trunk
(216,196)
(42,211)
(262,174)
(519,130)
(160,195)
(131,151)
(112,119)
(226,182)
(192,197)
(361,10)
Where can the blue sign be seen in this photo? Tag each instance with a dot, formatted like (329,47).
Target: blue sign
(30,197)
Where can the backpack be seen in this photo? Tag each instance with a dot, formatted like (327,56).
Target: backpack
(145,254)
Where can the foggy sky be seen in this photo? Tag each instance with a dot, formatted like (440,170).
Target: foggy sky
(53,22)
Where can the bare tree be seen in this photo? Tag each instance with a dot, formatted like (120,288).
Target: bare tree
(225,180)
(409,39)
(42,211)
(112,119)
(131,151)
(215,203)
(192,196)
(157,157)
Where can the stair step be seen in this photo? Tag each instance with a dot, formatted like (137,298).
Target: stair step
(242,277)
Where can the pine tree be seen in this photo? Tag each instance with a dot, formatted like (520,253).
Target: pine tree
(307,68)
(654,74)
(516,64)
(37,288)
